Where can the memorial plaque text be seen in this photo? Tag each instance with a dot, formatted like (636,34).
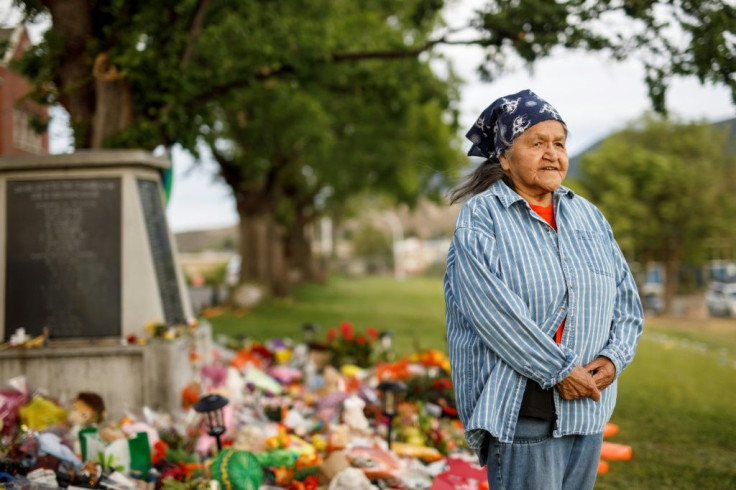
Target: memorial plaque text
(63,254)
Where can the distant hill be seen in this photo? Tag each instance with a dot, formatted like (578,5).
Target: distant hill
(574,171)
(198,241)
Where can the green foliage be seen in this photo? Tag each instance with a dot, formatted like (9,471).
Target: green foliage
(327,133)
(179,56)
(661,183)
(371,242)
(215,275)
(672,38)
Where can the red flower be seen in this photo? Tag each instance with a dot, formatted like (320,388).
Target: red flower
(452,412)
(372,332)
(346,329)
(442,384)
(262,352)
(361,340)
(159,451)
(331,334)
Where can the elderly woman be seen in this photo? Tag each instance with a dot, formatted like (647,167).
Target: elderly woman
(543,314)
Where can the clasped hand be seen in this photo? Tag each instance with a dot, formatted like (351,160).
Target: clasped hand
(588,381)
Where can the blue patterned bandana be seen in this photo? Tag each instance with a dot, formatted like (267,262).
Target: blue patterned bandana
(504,120)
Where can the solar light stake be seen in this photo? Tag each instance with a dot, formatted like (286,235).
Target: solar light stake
(390,391)
(211,407)
(309,329)
(387,339)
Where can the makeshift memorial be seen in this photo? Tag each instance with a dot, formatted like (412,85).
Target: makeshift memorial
(288,423)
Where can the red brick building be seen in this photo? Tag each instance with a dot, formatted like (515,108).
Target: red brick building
(17,137)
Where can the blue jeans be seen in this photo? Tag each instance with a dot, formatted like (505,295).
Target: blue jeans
(538,461)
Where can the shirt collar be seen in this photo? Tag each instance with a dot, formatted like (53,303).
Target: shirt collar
(508,196)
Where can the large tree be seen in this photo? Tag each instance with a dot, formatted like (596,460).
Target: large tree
(137,73)
(294,150)
(666,188)
(134,73)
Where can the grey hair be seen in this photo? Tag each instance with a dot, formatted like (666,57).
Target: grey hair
(485,175)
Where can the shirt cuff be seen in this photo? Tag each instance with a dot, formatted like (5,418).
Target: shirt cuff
(571,360)
(616,356)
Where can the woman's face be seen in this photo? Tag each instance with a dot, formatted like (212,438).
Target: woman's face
(537,161)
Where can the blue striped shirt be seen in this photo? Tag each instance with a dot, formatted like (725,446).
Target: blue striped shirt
(510,281)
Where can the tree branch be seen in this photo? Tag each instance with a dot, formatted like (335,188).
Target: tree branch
(268,73)
(195,27)
(226,88)
(402,53)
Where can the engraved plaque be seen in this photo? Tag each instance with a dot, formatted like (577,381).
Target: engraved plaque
(63,252)
(163,257)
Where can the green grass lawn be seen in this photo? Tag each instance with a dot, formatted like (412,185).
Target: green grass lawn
(414,309)
(677,401)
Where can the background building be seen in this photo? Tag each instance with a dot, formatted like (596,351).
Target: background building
(17,136)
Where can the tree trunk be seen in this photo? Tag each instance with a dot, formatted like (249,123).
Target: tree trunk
(114,107)
(261,251)
(301,258)
(671,274)
(72,20)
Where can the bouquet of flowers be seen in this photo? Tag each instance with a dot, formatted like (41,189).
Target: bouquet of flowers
(349,347)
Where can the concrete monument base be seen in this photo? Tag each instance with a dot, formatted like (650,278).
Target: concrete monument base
(127,377)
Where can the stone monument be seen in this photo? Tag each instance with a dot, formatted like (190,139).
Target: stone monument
(85,252)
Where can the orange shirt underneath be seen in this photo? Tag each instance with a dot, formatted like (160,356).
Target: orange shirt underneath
(548,214)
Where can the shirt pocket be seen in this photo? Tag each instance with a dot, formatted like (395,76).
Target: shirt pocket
(595,251)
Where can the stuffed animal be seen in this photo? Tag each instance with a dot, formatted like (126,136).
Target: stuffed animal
(354,417)
(87,410)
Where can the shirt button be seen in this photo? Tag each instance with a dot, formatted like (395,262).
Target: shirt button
(562,309)
(572,286)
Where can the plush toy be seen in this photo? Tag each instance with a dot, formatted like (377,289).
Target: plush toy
(237,470)
(354,417)
(86,410)
(351,479)
(41,413)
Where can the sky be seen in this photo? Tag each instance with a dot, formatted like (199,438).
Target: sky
(594,95)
